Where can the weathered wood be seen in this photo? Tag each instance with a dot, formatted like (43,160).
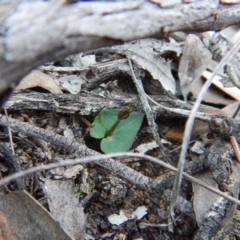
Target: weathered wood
(33,33)
(86,103)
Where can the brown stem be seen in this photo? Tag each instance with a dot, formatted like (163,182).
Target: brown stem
(123,114)
(109,132)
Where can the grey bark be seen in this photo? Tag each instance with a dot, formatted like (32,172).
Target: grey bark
(87,104)
(36,32)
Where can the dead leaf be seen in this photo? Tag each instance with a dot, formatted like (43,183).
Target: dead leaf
(203,198)
(230,110)
(146,53)
(234,92)
(175,133)
(118,219)
(65,207)
(6,233)
(145,147)
(27,218)
(200,128)
(213,95)
(71,83)
(230,1)
(37,78)
(73,171)
(198,147)
(194,61)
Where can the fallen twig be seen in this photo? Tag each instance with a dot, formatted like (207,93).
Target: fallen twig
(108,157)
(78,149)
(147,109)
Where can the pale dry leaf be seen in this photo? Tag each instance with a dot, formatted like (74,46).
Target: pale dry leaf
(73,171)
(234,92)
(65,207)
(230,1)
(193,62)
(203,198)
(145,147)
(146,53)
(118,219)
(88,60)
(85,185)
(78,60)
(198,147)
(37,78)
(70,83)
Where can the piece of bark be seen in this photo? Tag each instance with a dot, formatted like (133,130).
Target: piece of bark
(87,103)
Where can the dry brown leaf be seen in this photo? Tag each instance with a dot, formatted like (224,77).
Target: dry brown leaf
(193,62)
(6,233)
(213,95)
(175,133)
(231,108)
(27,218)
(200,128)
(234,92)
(37,78)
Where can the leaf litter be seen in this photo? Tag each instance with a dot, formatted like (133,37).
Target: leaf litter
(148,55)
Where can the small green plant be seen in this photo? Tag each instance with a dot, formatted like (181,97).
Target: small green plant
(118,128)
(83,189)
(91,183)
(77,190)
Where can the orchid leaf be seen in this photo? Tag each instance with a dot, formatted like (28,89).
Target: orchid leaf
(123,134)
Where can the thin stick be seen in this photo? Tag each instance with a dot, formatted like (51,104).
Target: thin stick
(147,109)
(235,147)
(84,68)
(108,156)
(85,121)
(9,131)
(189,126)
(236,111)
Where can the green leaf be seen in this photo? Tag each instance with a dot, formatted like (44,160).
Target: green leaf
(123,135)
